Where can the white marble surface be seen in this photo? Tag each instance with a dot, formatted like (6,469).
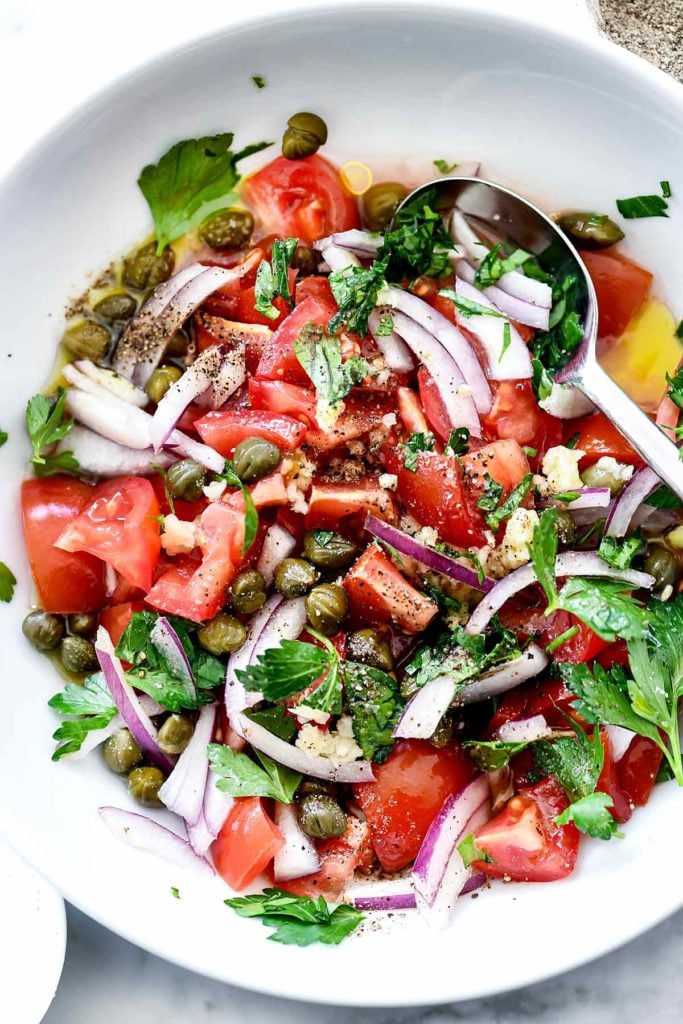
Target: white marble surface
(52,55)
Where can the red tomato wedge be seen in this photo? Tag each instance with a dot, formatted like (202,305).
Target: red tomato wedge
(279,361)
(410,412)
(435,410)
(638,768)
(67,582)
(120,526)
(224,430)
(198,593)
(435,495)
(609,783)
(407,794)
(300,198)
(621,286)
(330,503)
(279,397)
(339,859)
(377,592)
(598,437)
(524,842)
(246,844)
(503,461)
(515,414)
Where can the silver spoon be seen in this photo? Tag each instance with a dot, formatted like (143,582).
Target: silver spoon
(508,215)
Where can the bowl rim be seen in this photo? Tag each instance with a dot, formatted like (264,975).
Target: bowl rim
(596,45)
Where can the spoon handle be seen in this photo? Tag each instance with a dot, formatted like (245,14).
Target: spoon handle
(639,430)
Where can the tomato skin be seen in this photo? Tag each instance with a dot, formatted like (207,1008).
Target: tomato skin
(504,461)
(302,198)
(637,770)
(435,495)
(330,503)
(407,794)
(410,412)
(515,414)
(621,287)
(340,858)
(598,437)
(317,288)
(378,593)
(523,840)
(115,619)
(608,782)
(224,430)
(120,526)
(527,622)
(67,582)
(279,361)
(280,397)
(246,844)
(435,410)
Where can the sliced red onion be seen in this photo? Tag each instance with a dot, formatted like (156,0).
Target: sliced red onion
(518,310)
(168,644)
(298,760)
(502,786)
(412,548)
(477,878)
(566,402)
(619,739)
(640,486)
(454,391)
(457,879)
(654,520)
(219,371)
(513,363)
(298,857)
(442,837)
(217,805)
(395,351)
(589,497)
(101,457)
(278,544)
(201,453)
(506,677)
(569,563)
(339,259)
(424,711)
(462,233)
(199,836)
(381,894)
(112,381)
(137,720)
(524,730)
(183,790)
(362,243)
(144,834)
(447,334)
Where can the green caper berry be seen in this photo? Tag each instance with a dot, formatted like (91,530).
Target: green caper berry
(227,229)
(304,136)
(248,592)
(121,752)
(175,734)
(369,648)
(444,732)
(83,624)
(381,202)
(326,607)
(254,458)
(663,565)
(87,340)
(78,655)
(116,306)
(186,479)
(160,381)
(43,630)
(305,259)
(294,577)
(565,527)
(310,785)
(310,123)
(143,269)
(178,345)
(144,785)
(590,230)
(328,551)
(321,817)
(602,476)
(222,635)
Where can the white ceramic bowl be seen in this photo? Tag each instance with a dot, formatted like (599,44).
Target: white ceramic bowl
(574,123)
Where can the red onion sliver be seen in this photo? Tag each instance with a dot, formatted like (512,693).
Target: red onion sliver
(298,760)
(183,790)
(199,836)
(137,720)
(523,312)
(640,486)
(506,677)
(589,497)
(524,730)
(298,857)
(396,353)
(101,457)
(512,364)
(201,453)
(362,243)
(278,544)
(502,786)
(168,643)
(424,711)
(217,805)
(338,259)
(569,563)
(399,901)
(145,834)
(119,386)
(455,878)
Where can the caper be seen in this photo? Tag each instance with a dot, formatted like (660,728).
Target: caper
(590,230)
(175,734)
(326,607)
(327,550)
(294,577)
(565,527)
(310,785)
(227,229)
(255,457)
(248,592)
(603,474)
(663,565)
(305,259)
(381,202)
(222,635)
(45,631)
(444,732)
(369,648)
(144,785)
(121,752)
(305,134)
(185,479)
(83,624)
(87,340)
(116,306)
(160,381)
(143,269)
(321,817)
(78,655)
(178,345)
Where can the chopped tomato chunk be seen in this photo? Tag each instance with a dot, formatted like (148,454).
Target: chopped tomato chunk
(598,437)
(638,768)
(410,412)
(224,430)
(339,859)
(330,503)
(246,844)
(279,361)
(378,592)
(435,494)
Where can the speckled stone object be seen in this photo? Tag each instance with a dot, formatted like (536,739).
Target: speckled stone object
(651,28)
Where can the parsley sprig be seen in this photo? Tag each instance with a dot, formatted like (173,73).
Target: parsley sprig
(356,290)
(47,423)
(298,920)
(321,358)
(272,280)
(239,775)
(8,582)
(89,707)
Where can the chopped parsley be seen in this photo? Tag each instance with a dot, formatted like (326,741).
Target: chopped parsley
(385,326)
(494,265)
(250,512)
(418,243)
(666,189)
(458,442)
(272,280)
(8,581)
(461,656)
(645,206)
(3,437)
(467,848)
(355,290)
(47,423)
(259,81)
(298,920)
(376,704)
(541,381)
(490,755)
(510,504)
(493,492)
(620,553)
(469,308)
(679,330)
(412,447)
(175,892)
(675,389)
(89,706)
(320,356)
(444,166)
(507,338)
(238,775)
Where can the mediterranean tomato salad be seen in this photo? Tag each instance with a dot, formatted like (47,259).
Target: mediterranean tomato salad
(332,568)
